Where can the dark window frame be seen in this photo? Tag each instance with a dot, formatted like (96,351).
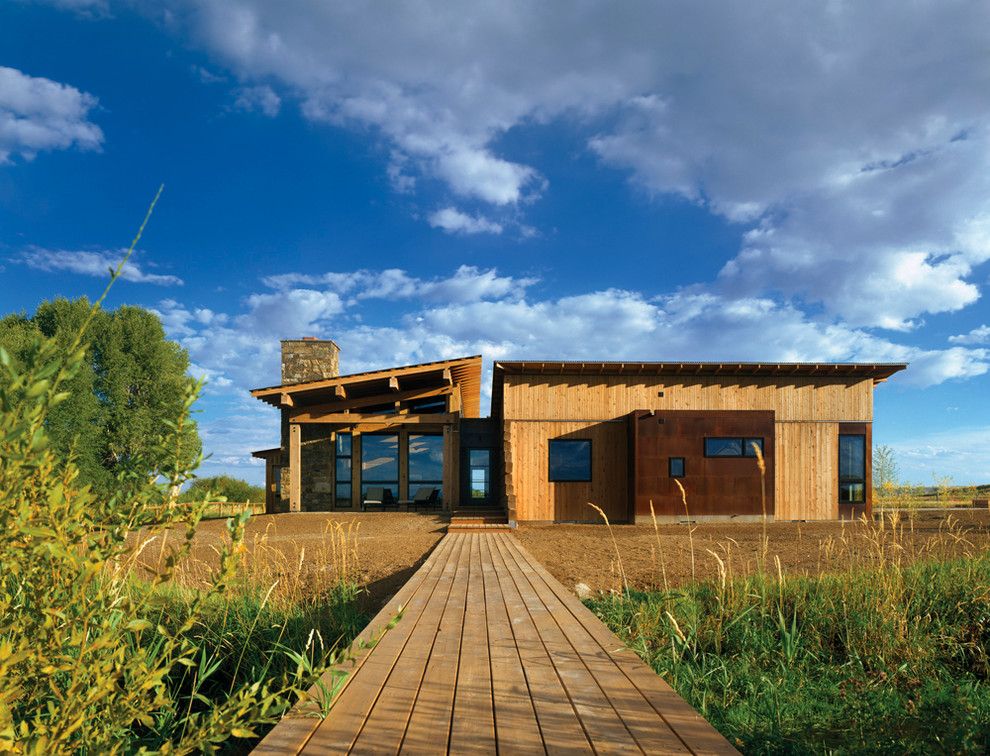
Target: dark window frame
(338,501)
(412,485)
(745,444)
(391,484)
(848,479)
(670,467)
(591,457)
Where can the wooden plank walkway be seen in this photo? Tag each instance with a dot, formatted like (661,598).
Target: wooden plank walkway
(492,654)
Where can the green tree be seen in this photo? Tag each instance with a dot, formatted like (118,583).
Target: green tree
(232,489)
(884,468)
(129,385)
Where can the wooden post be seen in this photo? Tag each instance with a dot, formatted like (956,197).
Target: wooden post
(295,467)
(403,492)
(355,468)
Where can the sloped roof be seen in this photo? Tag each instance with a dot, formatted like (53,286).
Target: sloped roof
(464,372)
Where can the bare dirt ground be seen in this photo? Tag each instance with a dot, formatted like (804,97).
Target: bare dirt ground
(306,551)
(577,554)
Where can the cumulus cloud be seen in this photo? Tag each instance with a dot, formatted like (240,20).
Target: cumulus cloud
(260,99)
(479,311)
(980,335)
(453,221)
(87,263)
(860,177)
(38,114)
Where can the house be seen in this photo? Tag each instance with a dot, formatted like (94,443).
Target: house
(621,435)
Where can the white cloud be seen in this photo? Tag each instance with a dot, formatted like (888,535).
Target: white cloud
(38,114)
(259,99)
(863,176)
(87,263)
(467,284)
(960,453)
(453,221)
(980,335)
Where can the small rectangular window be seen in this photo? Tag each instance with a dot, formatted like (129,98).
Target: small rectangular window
(570,460)
(732,447)
(723,447)
(676,467)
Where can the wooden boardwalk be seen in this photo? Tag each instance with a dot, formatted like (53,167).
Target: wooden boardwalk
(492,654)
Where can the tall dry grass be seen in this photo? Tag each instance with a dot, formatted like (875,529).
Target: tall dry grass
(885,650)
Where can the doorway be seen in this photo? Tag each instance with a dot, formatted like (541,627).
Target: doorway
(477,488)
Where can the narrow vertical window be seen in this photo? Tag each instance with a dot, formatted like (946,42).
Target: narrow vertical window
(852,468)
(675,467)
(342,470)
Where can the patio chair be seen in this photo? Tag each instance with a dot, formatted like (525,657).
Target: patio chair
(426,497)
(380,497)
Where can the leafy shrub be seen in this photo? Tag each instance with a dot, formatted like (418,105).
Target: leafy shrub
(91,658)
(231,489)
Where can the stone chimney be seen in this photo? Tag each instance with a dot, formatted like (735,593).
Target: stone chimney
(309,359)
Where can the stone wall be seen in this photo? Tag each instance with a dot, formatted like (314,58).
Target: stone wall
(309,360)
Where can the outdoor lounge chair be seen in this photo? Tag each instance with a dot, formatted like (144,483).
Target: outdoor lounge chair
(426,497)
(378,497)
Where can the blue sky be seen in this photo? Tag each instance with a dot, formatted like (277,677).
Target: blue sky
(655,181)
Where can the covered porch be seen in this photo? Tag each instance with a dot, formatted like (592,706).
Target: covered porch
(375,439)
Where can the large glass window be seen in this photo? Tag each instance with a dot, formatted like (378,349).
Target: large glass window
(342,471)
(425,461)
(733,447)
(380,462)
(852,468)
(570,460)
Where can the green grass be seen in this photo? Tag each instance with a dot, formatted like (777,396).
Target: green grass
(888,660)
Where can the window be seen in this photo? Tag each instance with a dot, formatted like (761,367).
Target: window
(570,460)
(428,406)
(479,465)
(676,467)
(732,447)
(425,461)
(380,462)
(342,470)
(852,469)
(277,480)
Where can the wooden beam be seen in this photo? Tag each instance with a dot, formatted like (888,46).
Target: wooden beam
(295,468)
(368,401)
(340,392)
(286,400)
(393,383)
(447,377)
(438,418)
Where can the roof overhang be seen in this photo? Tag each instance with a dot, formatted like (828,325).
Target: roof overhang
(348,392)
(877,371)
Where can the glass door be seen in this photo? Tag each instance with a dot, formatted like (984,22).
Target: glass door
(479,478)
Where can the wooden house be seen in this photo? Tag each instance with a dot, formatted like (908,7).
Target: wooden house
(562,434)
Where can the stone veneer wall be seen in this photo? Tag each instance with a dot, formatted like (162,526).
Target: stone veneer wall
(309,360)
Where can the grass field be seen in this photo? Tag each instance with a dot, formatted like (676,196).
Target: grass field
(883,649)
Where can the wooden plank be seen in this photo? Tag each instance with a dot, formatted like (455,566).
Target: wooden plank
(604,728)
(311,410)
(650,732)
(338,731)
(691,727)
(472,728)
(292,732)
(516,727)
(429,725)
(295,468)
(343,418)
(559,724)
(385,726)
